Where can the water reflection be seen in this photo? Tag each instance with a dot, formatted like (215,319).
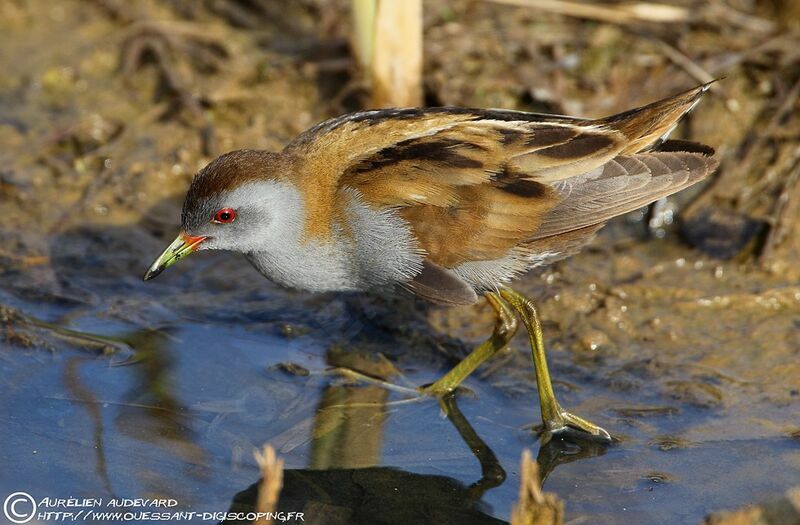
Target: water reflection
(492,473)
(560,452)
(373,495)
(349,422)
(348,427)
(83,394)
(346,485)
(152,411)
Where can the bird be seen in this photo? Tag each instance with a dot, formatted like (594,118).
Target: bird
(447,204)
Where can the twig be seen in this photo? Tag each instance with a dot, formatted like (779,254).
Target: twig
(689,65)
(785,109)
(639,12)
(618,14)
(387,40)
(677,57)
(784,43)
(534,506)
(25,260)
(164,39)
(271,483)
(104,402)
(397,60)
(358,376)
(724,13)
(11,316)
(766,134)
(787,207)
(730,182)
(173,30)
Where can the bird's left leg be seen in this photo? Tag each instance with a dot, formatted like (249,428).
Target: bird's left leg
(504,329)
(556,419)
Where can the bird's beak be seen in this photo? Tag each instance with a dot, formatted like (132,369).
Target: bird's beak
(182,246)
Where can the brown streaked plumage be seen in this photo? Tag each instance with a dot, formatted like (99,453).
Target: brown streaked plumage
(444,202)
(475,183)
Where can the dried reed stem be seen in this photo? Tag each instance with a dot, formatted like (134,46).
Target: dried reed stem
(387,41)
(271,482)
(534,506)
(638,12)
(614,14)
(363,13)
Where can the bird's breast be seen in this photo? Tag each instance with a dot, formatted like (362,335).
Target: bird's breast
(373,249)
(312,267)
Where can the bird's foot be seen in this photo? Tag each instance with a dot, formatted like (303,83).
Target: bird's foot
(564,425)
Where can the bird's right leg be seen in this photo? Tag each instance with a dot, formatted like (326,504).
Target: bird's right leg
(504,329)
(556,420)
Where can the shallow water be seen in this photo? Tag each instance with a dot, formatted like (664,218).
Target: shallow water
(190,384)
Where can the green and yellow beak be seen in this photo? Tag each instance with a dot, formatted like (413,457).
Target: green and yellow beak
(182,246)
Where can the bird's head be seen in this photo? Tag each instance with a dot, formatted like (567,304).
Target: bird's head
(238,202)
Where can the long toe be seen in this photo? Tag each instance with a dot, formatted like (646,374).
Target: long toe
(571,426)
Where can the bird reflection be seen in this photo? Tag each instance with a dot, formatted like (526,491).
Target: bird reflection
(347,433)
(345,485)
(492,473)
(560,452)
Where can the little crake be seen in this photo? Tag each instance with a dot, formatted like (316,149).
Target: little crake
(446,203)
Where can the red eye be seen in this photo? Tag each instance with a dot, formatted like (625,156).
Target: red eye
(225,216)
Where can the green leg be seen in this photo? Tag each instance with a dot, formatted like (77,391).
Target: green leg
(504,330)
(556,420)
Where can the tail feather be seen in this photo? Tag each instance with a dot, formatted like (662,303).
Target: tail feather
(651,124)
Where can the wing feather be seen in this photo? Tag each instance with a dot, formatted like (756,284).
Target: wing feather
(647,177)
(476,184)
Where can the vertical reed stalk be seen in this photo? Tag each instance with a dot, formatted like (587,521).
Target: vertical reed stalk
(387,41)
